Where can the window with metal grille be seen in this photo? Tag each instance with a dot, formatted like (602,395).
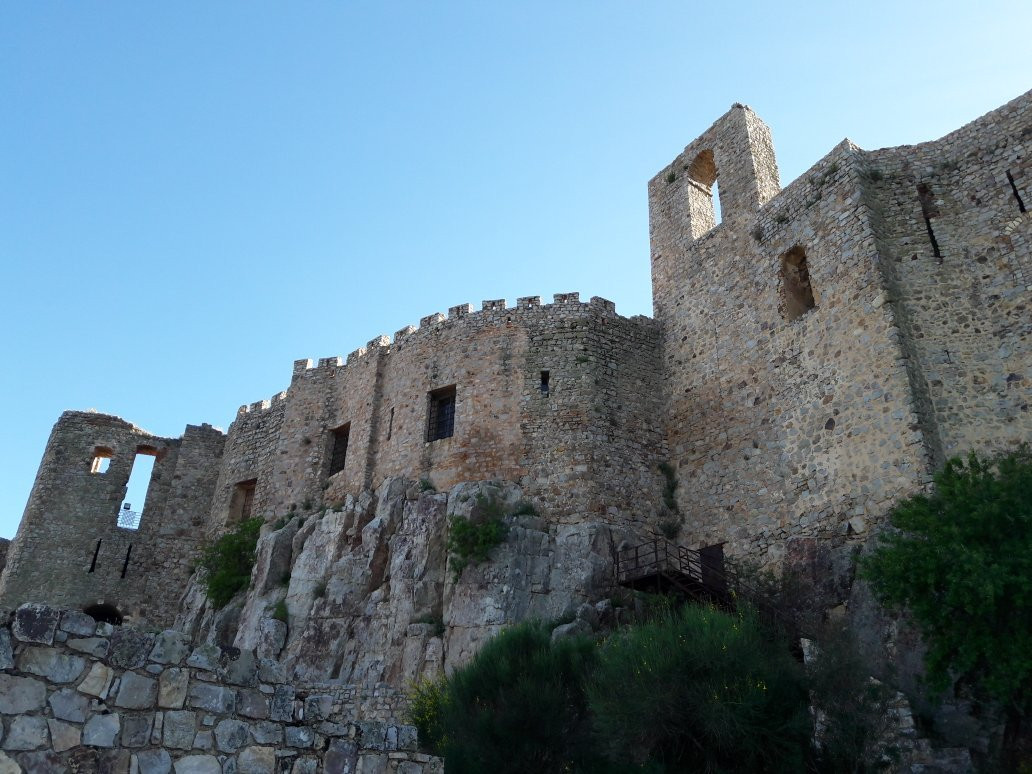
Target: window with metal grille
(339,452)
(441,416)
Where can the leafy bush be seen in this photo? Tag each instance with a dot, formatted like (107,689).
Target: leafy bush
(518,706)
(669,485)
(426,485)
(960,563)
(228,561)
(701,690)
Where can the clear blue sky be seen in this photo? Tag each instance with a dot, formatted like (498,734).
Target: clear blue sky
(192,195)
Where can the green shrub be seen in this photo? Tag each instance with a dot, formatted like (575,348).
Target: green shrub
(960,564)
(517,707)
(701,690)
(525,509)
(320,590)
(228,561)
(426,485)
(279,612)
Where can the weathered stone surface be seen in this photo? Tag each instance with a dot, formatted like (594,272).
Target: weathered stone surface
(214,698)
(136,691)
(94,646)
(231,735)
(270,671)
(267,732)
(98,681)
(136,729)
(308,766)
(6,652)
(49,762)
(207,657)
(153,761)
(64,736)
(272,636)
(282,705)
(299,736)
(101,730)
(26,732)
(341,757)
(205,740)
(318,707)
(172,688)
(19,695)
(35,623)
(240,669)
(170,647)
(179,729)
(8,766)
(51,663)
(257,760)
(198,764)
(252,704)
(78,623)
(572,629)
(68,704)
(129,648)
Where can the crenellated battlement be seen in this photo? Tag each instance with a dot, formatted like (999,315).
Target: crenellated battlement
(491,312)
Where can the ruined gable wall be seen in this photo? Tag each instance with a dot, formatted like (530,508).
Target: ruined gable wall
(967,309)
(778,428)
(588,444)
(72,516)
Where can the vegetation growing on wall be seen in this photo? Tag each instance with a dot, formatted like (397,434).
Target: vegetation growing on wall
(470,541)
(227,562)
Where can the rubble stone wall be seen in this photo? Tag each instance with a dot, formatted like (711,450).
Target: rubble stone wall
(80,696)
(69,549)
(584,437)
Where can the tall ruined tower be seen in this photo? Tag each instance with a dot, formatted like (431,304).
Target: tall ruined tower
(72,547)
(826,345)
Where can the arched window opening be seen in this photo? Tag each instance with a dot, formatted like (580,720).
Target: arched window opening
(796,292)
(104,613)
(703,193)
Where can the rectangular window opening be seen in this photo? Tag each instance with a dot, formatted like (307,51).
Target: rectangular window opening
(125,564)
(101,459)
(544,382)
(136,490)
(796,292)
(339,449)
(441,415)
(241,503)
(96,553)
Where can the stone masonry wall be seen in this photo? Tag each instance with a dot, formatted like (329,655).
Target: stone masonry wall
(588,441)
(964,297)
(779,425)
(70,550)
(77,696)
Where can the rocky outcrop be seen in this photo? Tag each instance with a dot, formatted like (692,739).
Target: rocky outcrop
(371,593)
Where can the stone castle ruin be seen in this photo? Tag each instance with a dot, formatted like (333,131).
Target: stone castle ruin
(814,357)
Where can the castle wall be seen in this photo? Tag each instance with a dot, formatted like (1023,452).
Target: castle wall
(958,260)
(779,425)
(587,442)
(69,549)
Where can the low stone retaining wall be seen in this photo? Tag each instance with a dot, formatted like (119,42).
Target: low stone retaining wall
(78,696)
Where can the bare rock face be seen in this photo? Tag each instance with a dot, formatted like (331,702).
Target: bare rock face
(371,593)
